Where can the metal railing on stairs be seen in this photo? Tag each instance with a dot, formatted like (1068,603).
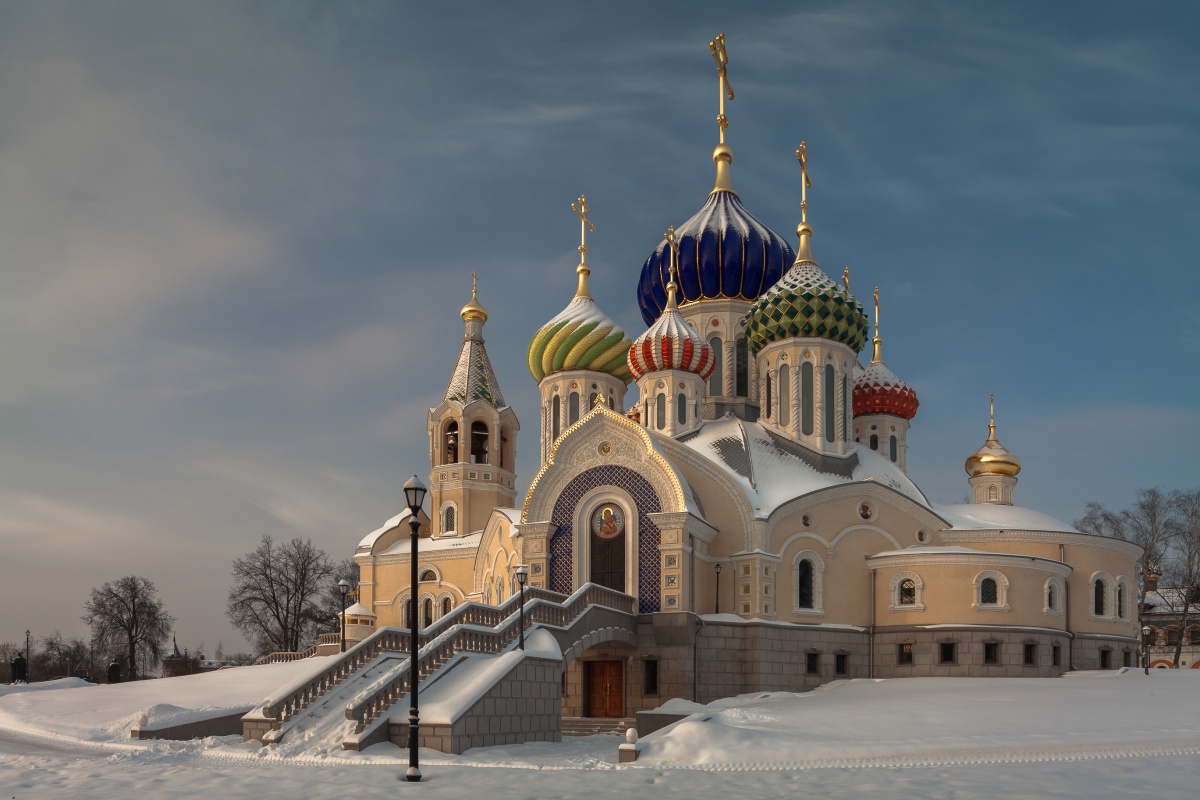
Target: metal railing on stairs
(469,624)
(546,608)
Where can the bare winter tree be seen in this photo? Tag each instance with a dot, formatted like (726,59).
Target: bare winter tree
(1182,570)
(277,594)
(331,601)
(1146,523)
(126,615)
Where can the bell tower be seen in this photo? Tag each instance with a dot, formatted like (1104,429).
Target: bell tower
(472,438)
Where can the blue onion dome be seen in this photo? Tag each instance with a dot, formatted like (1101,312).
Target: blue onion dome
(724,252)
(806,302)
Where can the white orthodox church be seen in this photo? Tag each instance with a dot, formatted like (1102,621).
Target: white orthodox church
(754,499)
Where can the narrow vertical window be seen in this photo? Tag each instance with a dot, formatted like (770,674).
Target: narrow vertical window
(847,411)
(556,416)
(448,520)
(804,584)
(1121,600)
(767,405)
(480,442)
(992,493)
(785,394)
(1050,599)
(427,615)
(743,369)
(806,398)
(716,383)
(1099,592)
(649,676)
(987,592)
(573,408)
(830,403)
(874,441)
(841,663)
(660,411)
(681,408)
(447,606)
(892,447)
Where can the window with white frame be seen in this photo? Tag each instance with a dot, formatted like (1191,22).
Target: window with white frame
(1100,600)
(810,569)
(1124,594)
(907,592)
(449,518)
(991,591)
(1052,594)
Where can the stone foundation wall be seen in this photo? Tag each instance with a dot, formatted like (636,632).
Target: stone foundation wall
(970,649)
(524,706)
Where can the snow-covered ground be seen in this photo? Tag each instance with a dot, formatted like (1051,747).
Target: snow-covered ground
(1104,734)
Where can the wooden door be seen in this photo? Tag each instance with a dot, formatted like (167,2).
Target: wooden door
(606,688)
(608,562)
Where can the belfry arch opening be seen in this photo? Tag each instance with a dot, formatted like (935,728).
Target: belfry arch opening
(479,442)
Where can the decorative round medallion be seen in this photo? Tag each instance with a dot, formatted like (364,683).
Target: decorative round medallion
(865,510)
(608,521)
(922,536)
(807,520)
(574,385)
(605,448)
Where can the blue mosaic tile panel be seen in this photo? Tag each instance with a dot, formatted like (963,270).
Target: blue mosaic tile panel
(646,501)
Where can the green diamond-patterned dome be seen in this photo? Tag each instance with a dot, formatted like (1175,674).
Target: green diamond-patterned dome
(806,302)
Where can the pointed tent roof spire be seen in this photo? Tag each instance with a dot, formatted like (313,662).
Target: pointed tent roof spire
(473,377)
(723,154)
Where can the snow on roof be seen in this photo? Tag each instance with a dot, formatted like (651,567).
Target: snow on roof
(369,540)
(987,516)
(909,551)
(359,610)
(513,514)
(427,543)
(772,470)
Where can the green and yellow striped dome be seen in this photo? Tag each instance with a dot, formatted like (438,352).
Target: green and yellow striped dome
(581,337)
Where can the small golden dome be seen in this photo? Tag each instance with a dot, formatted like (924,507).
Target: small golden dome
(473,309)
(993,458)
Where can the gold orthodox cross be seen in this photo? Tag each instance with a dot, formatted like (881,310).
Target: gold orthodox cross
(474,283)
(805,181)
(846,279)
(717,48)
(876,309)
(585,225)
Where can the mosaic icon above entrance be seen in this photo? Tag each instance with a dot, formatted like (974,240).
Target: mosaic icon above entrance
(608,522)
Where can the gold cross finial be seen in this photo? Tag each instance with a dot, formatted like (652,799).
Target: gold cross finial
(805,182)
(474,284)
(672,287)
(585,225)
(717,48)
(991,416)
(846,279)
(877,342)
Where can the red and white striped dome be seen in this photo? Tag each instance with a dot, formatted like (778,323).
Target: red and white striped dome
(670,343)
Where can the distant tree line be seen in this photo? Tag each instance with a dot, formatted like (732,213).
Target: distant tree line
(1166,525)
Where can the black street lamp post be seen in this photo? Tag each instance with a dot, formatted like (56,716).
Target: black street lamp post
(1146,633)
(343,587)
(717,593)
(522,573)
(414,495)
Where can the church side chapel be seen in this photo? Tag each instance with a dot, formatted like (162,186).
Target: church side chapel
(754,499)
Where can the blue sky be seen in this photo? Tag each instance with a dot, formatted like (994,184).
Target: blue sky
(234,239)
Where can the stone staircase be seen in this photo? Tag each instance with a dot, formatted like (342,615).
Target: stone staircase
(592,726)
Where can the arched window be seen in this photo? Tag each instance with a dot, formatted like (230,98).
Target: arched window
(992,492)
(573,408)
(427,612)
(716,383)
(1099,592)
(1054,596)
(428,576)
(767,405)
(480,442)
(806,398)
(404,615)
(830,404)
(1124,592)
(743,369)
(874,441)
(502,462)
(809,571)
(987,592)
(907,592)
(447,606)
(499,591)
(991,591)
(556,416)
(1172,636)
(452,443)
(785,395)
(660,411)
(594,401)
(448,520)
(681,408)
(1121,601)
(892,447)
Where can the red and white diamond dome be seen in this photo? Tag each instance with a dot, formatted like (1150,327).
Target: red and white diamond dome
(878,391)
